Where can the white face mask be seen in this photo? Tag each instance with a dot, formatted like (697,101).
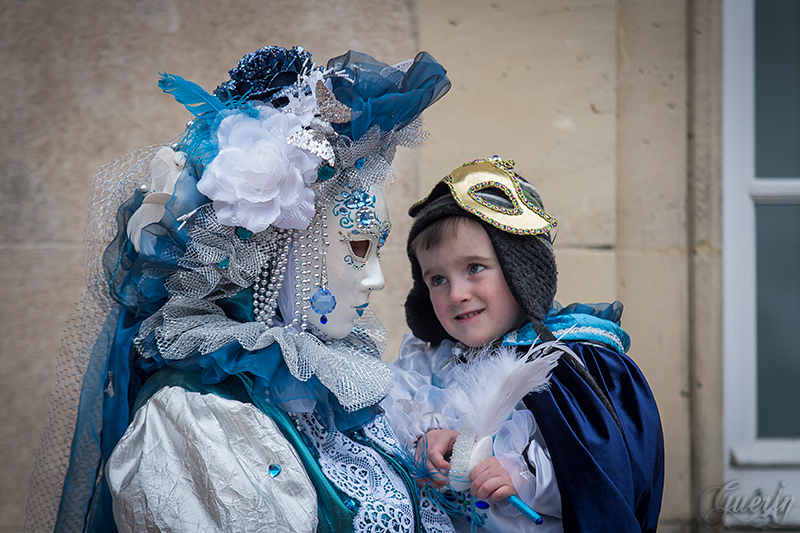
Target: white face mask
(358,225)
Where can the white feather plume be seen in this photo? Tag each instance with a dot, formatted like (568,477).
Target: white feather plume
(486,390)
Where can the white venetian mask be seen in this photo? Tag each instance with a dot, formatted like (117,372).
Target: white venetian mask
(358,225)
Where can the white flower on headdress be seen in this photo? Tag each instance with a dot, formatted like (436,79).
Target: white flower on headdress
(257,179)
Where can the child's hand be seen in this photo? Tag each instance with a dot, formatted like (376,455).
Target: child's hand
(439,444)
(490,480)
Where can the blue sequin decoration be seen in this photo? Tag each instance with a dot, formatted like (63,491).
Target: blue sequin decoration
(274,470)
(359,164)
(365,218)
(348,205)
(225,263)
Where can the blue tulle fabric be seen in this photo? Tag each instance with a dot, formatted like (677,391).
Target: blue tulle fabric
(597,323)
(382,96)
(136,279)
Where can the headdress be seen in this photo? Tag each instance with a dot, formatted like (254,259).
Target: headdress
(214,261)
(510,210)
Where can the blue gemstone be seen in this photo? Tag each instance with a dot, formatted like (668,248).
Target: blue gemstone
(325,172)
(360,162)
(274,470)
(225,263)
(365,218)
(323,302)
(350,503)
(243,233)
(323,320)
(480,504)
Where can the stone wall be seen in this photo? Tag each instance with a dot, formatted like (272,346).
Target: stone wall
(593,99)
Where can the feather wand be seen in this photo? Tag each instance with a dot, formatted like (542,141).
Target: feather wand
(486,391)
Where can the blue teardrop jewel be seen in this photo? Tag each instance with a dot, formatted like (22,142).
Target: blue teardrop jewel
(274,470)
(323,302)
(360,163)
(480,504)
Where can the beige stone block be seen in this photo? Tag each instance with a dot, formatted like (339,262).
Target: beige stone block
(652,124)
(707,376)
(83,86)
(652,285)
(588,276)
(389,303)
(534,82)
(39,293)
(705,217)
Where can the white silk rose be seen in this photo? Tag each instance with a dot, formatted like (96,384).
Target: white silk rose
(257,179)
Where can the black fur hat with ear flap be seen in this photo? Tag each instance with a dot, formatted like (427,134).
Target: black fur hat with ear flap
(510,211)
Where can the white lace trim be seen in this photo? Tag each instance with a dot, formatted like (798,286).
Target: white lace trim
(433,517)
(360,472)
(594,331)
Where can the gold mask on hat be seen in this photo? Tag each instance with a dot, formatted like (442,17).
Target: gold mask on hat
(524,217)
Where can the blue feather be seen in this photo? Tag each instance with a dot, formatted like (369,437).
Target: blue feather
(199,102)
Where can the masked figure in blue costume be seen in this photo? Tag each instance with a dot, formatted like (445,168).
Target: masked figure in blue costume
(227,365)
(504,392)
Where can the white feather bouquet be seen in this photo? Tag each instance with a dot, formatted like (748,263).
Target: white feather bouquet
(485,391)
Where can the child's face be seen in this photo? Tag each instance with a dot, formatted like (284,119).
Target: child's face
(467,288)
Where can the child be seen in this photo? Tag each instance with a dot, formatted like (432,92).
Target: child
(586,452)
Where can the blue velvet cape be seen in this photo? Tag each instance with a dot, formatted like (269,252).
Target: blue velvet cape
(610,475)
